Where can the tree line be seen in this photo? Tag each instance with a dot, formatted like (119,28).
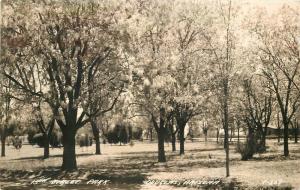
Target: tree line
(170,62)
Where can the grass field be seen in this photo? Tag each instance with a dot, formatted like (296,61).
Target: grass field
(131,167)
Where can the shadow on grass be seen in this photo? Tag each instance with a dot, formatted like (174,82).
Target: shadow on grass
(278,157)
(127,171)
(146,162)
(205,150)
(51,156)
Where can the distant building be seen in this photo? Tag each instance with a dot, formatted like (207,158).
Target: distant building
(271,130)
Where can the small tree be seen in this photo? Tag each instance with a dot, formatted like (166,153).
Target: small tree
(45,121)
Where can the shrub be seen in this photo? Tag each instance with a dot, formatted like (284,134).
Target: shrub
(55,140)
(85,140)
(252,146)
(247,149)
(38,138)
(112,137)
(121,133)
(131,143)
(17,142)
(31,132)
(137,133)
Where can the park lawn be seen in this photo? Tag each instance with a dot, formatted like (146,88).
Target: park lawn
(135,164)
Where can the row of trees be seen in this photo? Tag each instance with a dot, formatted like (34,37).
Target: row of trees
(167,61)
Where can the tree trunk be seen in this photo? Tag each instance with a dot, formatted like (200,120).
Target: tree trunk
(263,140)
(226,121)
(278,128)
(161,145)
(3,139)
(296,132)
(218,131)
(97,142)
(46,146)
(226,145)
(205,137)
(69,155)
(2,146)
(286,139)
(151,134)
(173,134)
(96,135)
(278,135)
(251,148)
(238,135)
(173,142)
(181,140)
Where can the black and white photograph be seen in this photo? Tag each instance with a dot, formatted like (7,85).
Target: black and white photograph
(150,94)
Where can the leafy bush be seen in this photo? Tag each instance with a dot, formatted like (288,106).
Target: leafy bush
(250,147)
(247,149)
(38,138)
(131,143)
(137,133)
(85,140)
(31,132)
(112,137)
(55,140)
(121,133)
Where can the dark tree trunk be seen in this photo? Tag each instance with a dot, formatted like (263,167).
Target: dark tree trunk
(46,146)
(96,135)
(97,142)
(3,139)
(278,128)
(173,134)
(69,155)
(263,140)
(181,140)
(151,134)
(238,130)
(226,143)
(226,123)
(250,145)
(218,131)
(173,142)
(47,131)
(286,139)
(2,146)
(161,145)
(278,135)
(296,131)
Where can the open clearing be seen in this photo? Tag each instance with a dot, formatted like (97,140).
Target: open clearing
(128,167)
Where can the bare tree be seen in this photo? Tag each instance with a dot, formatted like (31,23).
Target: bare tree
(223,59)
(259,107)
(279,54)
